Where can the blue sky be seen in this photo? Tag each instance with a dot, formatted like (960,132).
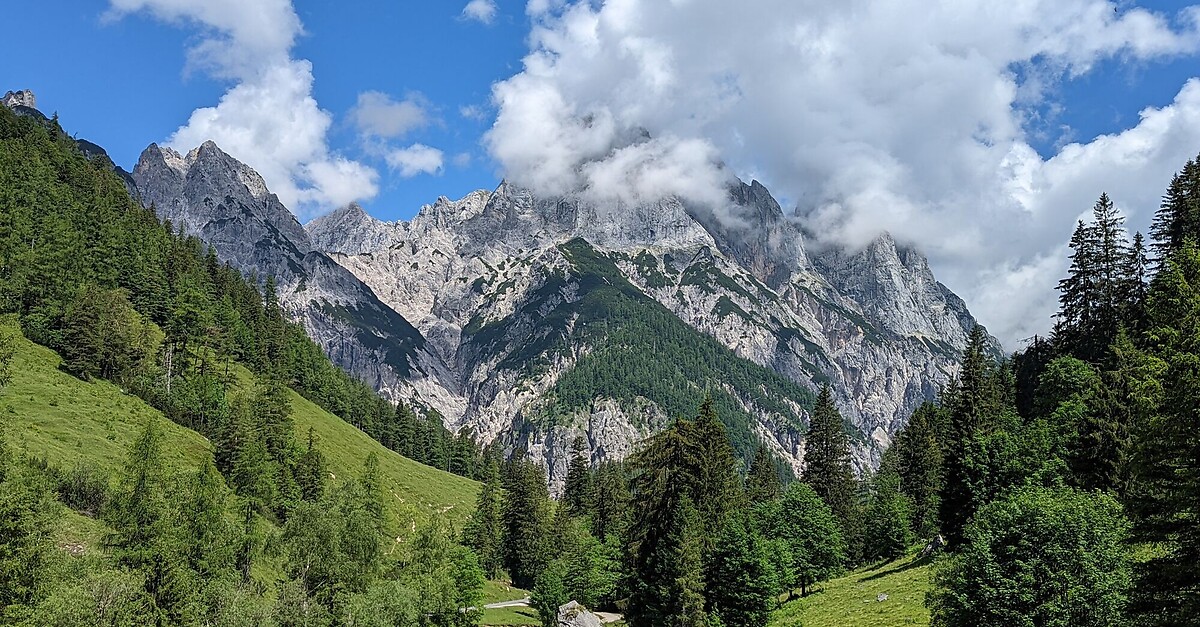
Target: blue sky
(121,83)
(975,131)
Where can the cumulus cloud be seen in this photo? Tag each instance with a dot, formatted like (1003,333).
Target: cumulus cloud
(480,10)
(415,159)
(907,116)
(377,114)
(268,118)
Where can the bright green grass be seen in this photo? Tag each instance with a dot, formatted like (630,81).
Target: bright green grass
(413,490)
(850,601)
(523,616)
(48,413)
(500,591)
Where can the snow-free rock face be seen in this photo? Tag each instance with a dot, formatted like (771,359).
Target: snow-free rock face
(211,195)
(19,98)
(873,323)
(489,308)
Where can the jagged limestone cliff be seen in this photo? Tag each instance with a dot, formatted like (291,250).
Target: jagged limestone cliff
(493,308)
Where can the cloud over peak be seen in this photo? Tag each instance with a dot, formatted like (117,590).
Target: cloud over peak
(268,118)
(906,116)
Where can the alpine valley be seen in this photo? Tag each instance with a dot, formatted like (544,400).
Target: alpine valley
(532,321)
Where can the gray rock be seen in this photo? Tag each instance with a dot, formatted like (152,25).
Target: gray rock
(400,304)
(19,98)
(575,615)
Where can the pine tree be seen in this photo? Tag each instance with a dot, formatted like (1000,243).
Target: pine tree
(1165,492)
(976,408)
(827,458)
(762,482)
(888,518)
(1178,217)
(310,471)
(715,488)
(578,495)
(612,501)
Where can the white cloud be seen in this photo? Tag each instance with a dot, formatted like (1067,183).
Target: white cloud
(480,10)
(462,159)
(473,112)
(909,116)
(268,118)
(415,159)
(376,114)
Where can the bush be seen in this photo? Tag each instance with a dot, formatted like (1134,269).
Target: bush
(1042,556)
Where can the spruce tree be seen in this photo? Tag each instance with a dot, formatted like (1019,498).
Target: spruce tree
(1165,491)
(578,495)
(484,531)
(739,576)
(762,481)
(827,467)
(526,518)
(612,501)
(918,454)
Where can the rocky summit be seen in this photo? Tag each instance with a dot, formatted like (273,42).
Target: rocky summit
(536,320)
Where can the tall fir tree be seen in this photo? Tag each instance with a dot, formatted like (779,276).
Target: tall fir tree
(484,531)
(762,481)
(579,492)
(526,519)
(918,452)
(827,467)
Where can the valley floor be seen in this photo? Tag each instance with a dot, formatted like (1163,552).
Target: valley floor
(853,600)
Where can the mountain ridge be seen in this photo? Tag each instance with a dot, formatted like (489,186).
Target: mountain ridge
(402,304)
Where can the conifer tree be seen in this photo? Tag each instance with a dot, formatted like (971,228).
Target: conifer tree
(1165,492)
(310,471)
(918,454)
(526,516)
(827,466)
(1178,217)
(762,482)
(484,530)
(578,495)
(740,577)
(612,500)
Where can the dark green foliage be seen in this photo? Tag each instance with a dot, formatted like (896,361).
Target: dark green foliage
(1178,217)
(762,481)
(669,537)
(484,532)
(122,296)
(637,348)
(973,438)
(526,521)
(887,523)
(1162,388)
(804,524)
(612,501)
(1040,557)
(550,592)
(741,579)
(827,460)
(27,520)
(579,493)
(918,460)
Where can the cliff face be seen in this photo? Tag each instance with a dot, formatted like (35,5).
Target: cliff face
(209,194)
(873,323)
(489,308)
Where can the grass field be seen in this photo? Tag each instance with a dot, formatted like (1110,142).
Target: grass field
(852,600)
(48,413)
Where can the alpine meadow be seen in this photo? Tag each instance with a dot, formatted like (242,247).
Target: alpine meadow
(874,313)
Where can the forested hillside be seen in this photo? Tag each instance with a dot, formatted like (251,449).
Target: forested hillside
(229,512)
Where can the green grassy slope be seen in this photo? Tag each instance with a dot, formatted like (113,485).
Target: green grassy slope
(48,413)
(410,486)
(852,600)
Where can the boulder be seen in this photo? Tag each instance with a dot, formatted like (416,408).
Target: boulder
(575,615)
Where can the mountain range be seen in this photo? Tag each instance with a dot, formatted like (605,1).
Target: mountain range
(535,320)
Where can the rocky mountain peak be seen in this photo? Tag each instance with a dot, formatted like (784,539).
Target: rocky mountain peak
(19,98)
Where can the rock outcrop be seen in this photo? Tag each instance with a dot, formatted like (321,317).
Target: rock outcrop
(575,615)
(19,98)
